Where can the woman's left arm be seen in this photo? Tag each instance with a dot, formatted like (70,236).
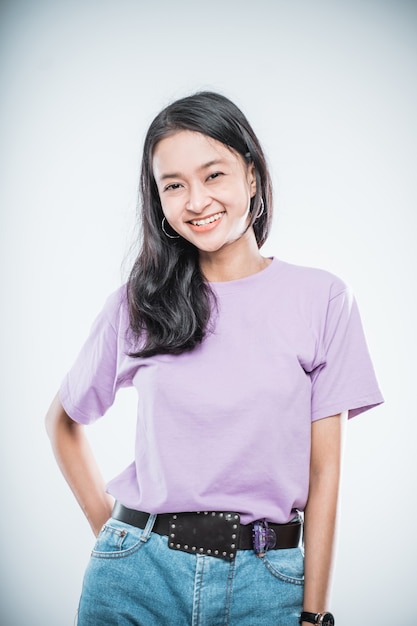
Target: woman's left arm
(321,510)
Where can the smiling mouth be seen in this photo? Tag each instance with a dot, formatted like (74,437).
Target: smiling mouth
(207,220)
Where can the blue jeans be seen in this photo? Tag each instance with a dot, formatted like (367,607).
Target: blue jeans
(135,579)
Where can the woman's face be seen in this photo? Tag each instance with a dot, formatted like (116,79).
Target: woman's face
(205,189)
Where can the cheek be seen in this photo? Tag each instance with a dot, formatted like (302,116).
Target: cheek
(238,195)
(173,212)
(168,205)
(244,199)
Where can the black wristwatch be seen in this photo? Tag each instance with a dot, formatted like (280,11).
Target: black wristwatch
(320,619)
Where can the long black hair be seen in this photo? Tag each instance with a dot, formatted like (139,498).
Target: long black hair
(169,301)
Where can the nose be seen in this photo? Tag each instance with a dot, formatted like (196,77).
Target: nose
(198,198)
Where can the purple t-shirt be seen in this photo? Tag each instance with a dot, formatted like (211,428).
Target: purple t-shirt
(227,426)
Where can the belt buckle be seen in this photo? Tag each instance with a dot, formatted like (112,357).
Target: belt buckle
(264,538)
(212,533)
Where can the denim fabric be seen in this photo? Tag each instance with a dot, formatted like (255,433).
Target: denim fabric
(134,579)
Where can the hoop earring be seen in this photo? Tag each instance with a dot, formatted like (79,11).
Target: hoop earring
(165,232)
(261,210)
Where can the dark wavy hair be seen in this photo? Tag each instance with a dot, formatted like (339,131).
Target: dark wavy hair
(169,301)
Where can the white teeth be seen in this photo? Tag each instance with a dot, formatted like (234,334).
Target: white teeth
(208,220)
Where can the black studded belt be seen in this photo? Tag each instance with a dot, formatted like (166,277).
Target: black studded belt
(214,533)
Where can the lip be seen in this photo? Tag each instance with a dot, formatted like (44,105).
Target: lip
(207,222)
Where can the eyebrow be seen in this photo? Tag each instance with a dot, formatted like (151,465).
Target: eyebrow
(201,168)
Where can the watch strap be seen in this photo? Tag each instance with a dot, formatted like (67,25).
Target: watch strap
(317,618)
(311,618)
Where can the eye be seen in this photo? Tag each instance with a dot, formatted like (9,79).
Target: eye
(172,187)
(214,175)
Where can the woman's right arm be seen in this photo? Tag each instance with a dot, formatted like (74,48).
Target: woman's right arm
(78,465)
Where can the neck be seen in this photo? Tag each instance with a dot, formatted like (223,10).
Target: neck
(238,260)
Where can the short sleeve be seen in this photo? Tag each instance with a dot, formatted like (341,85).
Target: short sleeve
(101,368)
(345,379)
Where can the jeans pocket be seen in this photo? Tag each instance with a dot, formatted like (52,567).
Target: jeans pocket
(117,540)
(287,565)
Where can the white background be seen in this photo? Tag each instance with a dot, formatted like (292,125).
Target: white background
(330,88)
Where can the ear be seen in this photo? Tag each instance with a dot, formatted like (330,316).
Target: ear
(252,179)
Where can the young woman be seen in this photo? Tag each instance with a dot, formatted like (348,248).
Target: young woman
(246,368)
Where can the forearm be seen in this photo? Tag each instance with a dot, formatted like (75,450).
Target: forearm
(320,517)
(77,463)
(319,541)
